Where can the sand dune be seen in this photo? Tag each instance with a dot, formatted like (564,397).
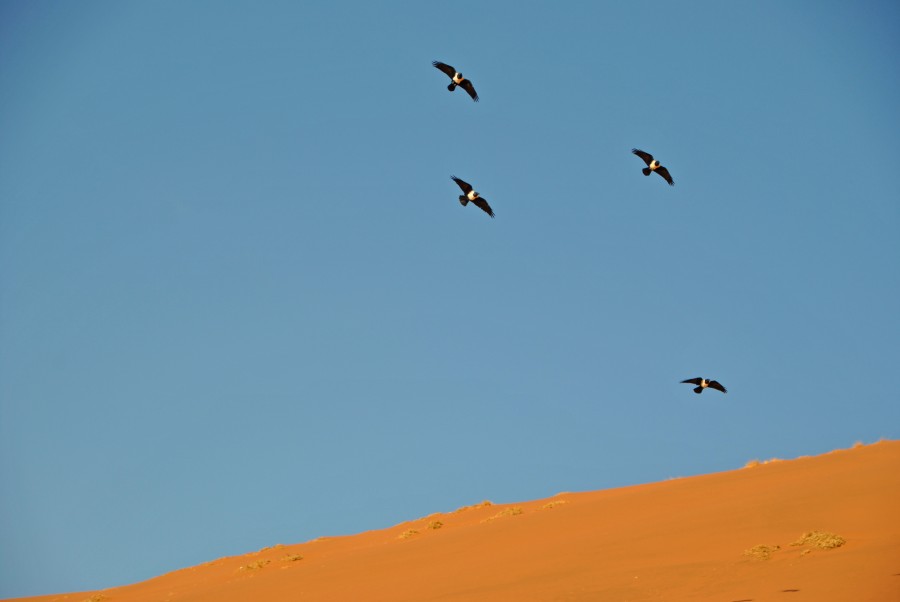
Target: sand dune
(683,539)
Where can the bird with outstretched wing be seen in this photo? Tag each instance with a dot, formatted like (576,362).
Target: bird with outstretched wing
(457,79)
(471,196)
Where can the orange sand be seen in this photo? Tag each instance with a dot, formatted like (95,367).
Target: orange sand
(682,539)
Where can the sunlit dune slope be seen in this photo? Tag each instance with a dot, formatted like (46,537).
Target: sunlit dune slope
(698,538)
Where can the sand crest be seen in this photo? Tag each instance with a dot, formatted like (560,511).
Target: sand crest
(815,528)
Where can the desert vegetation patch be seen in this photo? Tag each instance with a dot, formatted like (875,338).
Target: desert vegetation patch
(821,540)
(483,504)
(511,511)
(809,541)
(550,505)
(761,552)
(255,565)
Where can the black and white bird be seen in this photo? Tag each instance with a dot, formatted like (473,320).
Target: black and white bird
(471,195)
(653,165)
(703,383)
(457,79)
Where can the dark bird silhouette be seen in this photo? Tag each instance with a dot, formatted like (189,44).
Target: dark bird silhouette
(702,383)
(457,79)
(471,195)
(653,165)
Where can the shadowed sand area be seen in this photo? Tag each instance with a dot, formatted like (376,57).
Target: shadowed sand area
(683,539)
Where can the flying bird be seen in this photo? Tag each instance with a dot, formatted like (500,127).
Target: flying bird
(702,383)
(471,195)
(457,79)
(653,165)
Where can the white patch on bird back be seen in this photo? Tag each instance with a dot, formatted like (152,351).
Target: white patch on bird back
(472,195)
(457,78)
(654,165)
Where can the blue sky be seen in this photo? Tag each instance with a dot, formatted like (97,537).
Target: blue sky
(240,304)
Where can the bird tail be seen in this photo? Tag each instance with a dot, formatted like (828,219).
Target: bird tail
(451,87)
(463,200)
(698,390)
(646,171)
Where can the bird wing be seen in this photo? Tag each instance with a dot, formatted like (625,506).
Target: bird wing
(450,71)
(647,157)
(468,87)
(693,381)
(466,187)
(665,174)
(714,384)
(483,205)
